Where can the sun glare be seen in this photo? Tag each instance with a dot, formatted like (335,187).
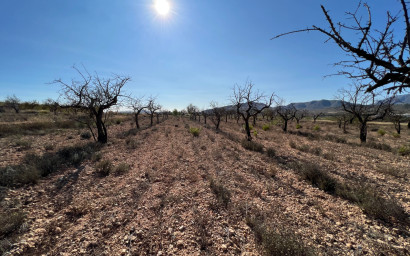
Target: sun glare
(162,7)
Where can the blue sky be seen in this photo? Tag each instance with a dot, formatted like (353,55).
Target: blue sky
(195,54)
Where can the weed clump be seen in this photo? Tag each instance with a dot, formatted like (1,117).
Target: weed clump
(381,132)
(317,177)
(395,135)
(271,152)
(35,166)
(104,167)
(251,145)
(121,169)
(277,241)
(194,131)
(266,127)
(223,195)
(316,128)
(404,150)
(10,221)
(298,126)
(85,135)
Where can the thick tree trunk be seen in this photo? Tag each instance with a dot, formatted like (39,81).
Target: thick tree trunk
(285,125)
(136,121)
(101,130)
(248,130)
(363,132)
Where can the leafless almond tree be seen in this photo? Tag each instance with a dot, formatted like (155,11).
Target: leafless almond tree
(217,113)
(137,105)
(379,55)
(13,102)
(300,114)
(249,102)
(152,108)
(364,106)
(287,113)
(94,95)
(316,115)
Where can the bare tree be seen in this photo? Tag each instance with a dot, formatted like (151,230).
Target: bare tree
(300,114)
(13,102)
(364,106)
(316,115)
(152,107)
(94,95)
(396,118)
(249,103)
(379,55)
(52,105)
(287,113)
(192,111)
(342,120)
(217,113)
(137,105)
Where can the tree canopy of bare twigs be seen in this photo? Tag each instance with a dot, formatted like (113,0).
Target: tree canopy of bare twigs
(152,108)
(379,57)
(364,106)
(13,102)
(137,105)
(249,102)
(217,113)
(300,114)
(93,94)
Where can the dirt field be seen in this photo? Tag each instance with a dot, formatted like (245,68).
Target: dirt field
(208,195)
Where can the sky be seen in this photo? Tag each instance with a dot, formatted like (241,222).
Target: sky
(194,54)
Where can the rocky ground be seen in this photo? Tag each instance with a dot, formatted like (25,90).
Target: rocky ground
(169,203)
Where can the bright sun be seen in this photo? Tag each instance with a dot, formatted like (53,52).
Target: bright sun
(162,7)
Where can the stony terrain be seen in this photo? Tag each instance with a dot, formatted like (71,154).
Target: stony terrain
(168,202)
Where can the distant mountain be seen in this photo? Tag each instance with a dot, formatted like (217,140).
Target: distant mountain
(316,105)
(403,99)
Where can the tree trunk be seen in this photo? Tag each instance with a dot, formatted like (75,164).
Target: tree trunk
(157,118)
(248,130)
(226,118)
(136,121)
(152,119)
(340,124)
(344,127)
(102,131)
(285,125)
(408,125)
(254,120)
(205,119)
(363,132)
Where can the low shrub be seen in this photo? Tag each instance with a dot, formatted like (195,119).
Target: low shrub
(381,132)
(404,150)
(277,241)
(395,135)
(194,131)
(223,195)
(49,147)
(10,221)
(34,166)
(104,167)
(132,143)
(316,128)
(251,145)
(298,126)
(255,133)
(271,152)
(121,169)
(379,146)
(23,144)
(266,127)
(317,177)
(85,135)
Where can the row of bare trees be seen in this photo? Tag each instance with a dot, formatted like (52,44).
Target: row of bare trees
(356,104)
